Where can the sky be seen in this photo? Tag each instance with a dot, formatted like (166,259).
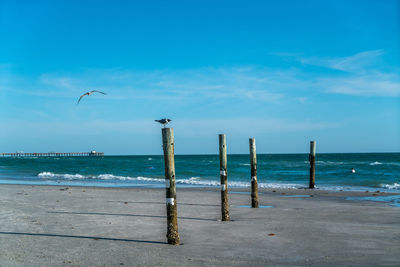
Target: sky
(284,72)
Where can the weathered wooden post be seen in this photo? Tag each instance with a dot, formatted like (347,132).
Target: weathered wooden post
(253,163)
(312,163)
(170,188)
(224,178)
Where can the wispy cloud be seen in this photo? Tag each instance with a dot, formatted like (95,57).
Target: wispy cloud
(361,77)
(374,84)
(302,99)
(58,82)
(362,74)
(354,63)
(208,83)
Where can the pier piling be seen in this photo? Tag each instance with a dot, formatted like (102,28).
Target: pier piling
(224,178)
(253,163)
(170,187)
(312,163)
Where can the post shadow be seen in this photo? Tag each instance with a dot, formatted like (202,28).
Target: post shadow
(83,237)
(154,202)
(122,214)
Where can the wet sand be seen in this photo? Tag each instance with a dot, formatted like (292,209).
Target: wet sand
(76,226)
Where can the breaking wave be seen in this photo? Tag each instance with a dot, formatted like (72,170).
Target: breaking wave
(47,175)
(391,186)
(50,175)
(195,181)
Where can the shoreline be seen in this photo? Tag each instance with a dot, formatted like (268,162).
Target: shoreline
(357,195)
(202,188)
(59,225)
(182,185)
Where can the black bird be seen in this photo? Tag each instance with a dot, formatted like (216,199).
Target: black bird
(163,121)
(89,93)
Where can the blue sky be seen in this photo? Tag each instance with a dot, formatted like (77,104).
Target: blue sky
(284,72)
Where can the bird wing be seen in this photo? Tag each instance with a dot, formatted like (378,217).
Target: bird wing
(81,98)
(98,92)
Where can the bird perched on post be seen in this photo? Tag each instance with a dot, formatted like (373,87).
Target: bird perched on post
(163,121)
(89,93)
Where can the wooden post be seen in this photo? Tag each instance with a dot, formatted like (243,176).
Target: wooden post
(170,188)
(253,163)
(312,163)
(224,178)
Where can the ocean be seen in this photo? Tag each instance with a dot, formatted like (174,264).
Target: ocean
(374,171)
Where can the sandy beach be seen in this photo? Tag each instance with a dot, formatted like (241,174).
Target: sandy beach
(77,226)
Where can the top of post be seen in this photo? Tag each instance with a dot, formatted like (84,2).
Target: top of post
(167,133)
(313,145)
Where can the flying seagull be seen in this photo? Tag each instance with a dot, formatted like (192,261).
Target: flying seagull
(163,121)
(89,93)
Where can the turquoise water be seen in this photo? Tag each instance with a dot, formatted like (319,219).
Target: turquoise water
(375,171)
(392,200)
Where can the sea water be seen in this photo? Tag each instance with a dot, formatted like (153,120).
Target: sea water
(374,171)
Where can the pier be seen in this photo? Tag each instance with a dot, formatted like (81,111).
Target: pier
(53,154)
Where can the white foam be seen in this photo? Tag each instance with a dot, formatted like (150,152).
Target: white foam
(277,185)
(110,177)
(73,176)
(128,178)
(375,163)
(391,186)
(197,181)
(48,175)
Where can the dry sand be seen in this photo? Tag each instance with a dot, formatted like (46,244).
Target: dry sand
(75,226)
